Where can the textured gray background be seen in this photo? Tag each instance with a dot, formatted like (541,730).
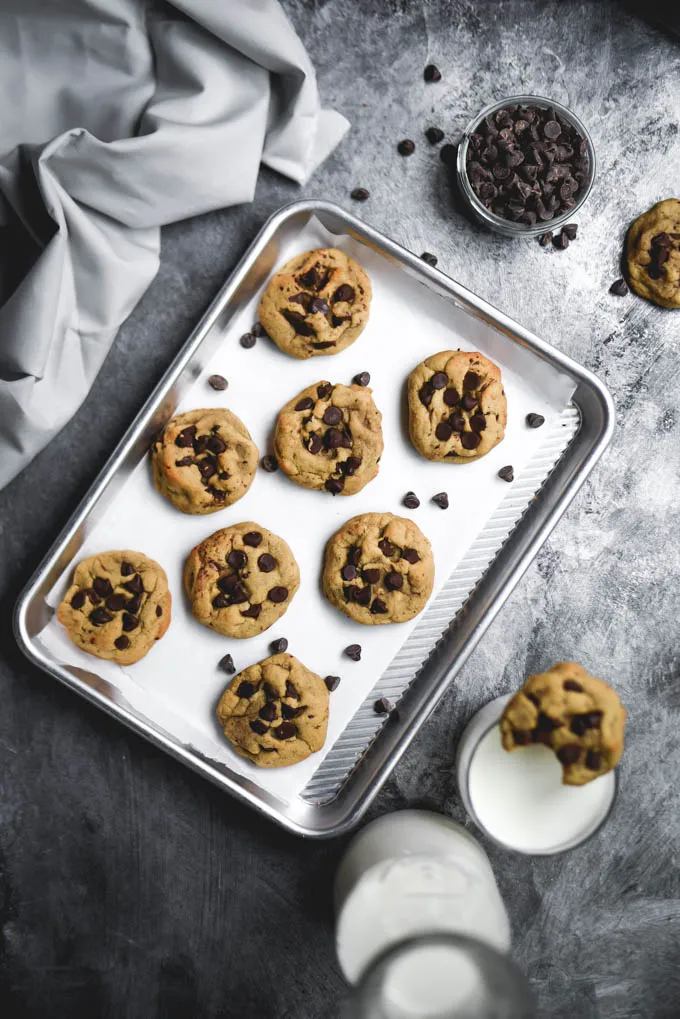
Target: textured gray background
(131,888)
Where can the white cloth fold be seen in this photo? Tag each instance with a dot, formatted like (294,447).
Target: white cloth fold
(120,116)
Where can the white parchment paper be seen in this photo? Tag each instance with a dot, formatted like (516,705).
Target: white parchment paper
(178,684)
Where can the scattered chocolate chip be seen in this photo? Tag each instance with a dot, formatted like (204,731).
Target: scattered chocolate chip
(451,397)
(343,295)
(130,622)
(619,288)
(448,154)
(226,664)
(78,600)
(252,539)
(332,682)
(470,440)
(218,382)
(247,340)
(278,595)
(571,684)
(434,135)
(411,500)
(545,239)
(266,563)
(122,642)
(428,257)
(569,754)
(506,473)
(334,485)
(370,576)
(570,229)
(535,420)
(561,241)
(353,651)
(406,147)
(522,737)
(362,379)
(259,727)
(268,463)
(593,760)
(349,572)
(360,194)
(432,73)
(441,499)
(393,581)
(383,706)
(277,647)
(332,416)
(115,602)
(285,731)
(100,616)
(443,432)
(410,555)
(252,612)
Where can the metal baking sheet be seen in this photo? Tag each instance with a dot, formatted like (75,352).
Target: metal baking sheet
(342,787)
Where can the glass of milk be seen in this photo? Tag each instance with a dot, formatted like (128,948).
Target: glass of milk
(518,798)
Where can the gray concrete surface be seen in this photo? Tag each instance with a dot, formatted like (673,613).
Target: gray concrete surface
(131,888)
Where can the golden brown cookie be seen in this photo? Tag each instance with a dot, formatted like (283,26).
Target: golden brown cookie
(329,437)
(317,303)
(456,406)
(579,717)
(378,568)
(275,713)
(653,254)
(204,460)
(241,579)
(117,607)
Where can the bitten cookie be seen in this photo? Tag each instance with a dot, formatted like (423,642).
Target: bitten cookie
(378,568)
(204,460)
(241,579)
(317,303)
(117,607)
(456,406)
(329,437)
(579,717)
(275,713)
(653,254)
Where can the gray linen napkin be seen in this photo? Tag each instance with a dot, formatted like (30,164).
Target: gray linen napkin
(118,116)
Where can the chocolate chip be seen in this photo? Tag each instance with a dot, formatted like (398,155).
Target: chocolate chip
(411,500)
(247,340)
(432,73)
(126,569)
(78,600)
(222,601)
(570,229)
(323,390)
(133,604)
(102,586)
(100,616)
(589,720)
(535,420)
(336,322)
(278,594)
(547,724)
(314,444)
(451,397)
(571,684)
(406,147)
(134,586)
(245,689)
(545,239)
(259,727)
(439,380)
(266,562)
(468,402)
(332,682)
(428,257)
(122,642)
(619,288)
(298,322)
(252,612)
(277,647)
(522,737)
(425,393)
(361,595)
(309,278)
(360,194)
(478,423)
(200,444)
(410,555)
(332,415)
(378,607)
(362,379)
(469,440)
(207,468)
(662,240)
(354,555)
(226,664)
(186,437)
(268,463)
(393,581)
(561,241)
(303,299)
(269,692)
(353,651)
(285,731)
(334,485)
(237,559)
(350,466)
(593,760)
(441,499)
(130,622)
(186,461)
(471,380)
(318,307)
(218,382)
(291,692)
(348,572)
(228,583)
(252,539)
(506,473)
(383,706)
(115,602)
(288,711)
(93,596)
(434,135)
(569,754)
(268,711)
(443,431)
(448,154)
(344,293)
(370,576)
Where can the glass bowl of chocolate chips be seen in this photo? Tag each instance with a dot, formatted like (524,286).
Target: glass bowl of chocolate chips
(525,165)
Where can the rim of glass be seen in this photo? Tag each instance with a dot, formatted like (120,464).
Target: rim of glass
(511,227)
(559,850)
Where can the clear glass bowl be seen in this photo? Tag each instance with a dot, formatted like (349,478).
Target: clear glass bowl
(508,227)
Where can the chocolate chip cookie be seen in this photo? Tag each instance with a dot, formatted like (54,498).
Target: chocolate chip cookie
(204,460)
(329,437)
(318,303)
(117,607)
(457,408)
(653,254)
(378,568)
(275,713)
(241,579)
(579,717)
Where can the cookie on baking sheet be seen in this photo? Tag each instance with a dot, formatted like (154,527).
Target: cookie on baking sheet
(653,254)
(204,460)
(275,713)
(117,607)
(456,406)
(241,579)
(317,303)
(579,717)
(329,437)
(378,568)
